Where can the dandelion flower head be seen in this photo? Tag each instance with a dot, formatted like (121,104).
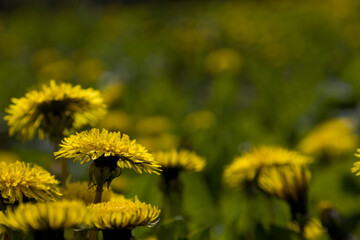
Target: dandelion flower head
(56,106)
(19,180)
(183,159)
(46,215)
(124,213)
(247,167)
(99,145)
(333,138)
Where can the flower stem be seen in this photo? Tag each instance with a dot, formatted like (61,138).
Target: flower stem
(99,189)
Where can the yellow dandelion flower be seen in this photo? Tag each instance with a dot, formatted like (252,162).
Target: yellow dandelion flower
(54,111)
(183,159)
(288,182)
(46,216)
(123,214)
(21,180)
(246,167)
(331,138)
(81,191)
(104,146)
(313,229)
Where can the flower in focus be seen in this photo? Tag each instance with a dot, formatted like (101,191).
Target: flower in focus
(46,216)
(95,144)
(54,111)
(21,180)
(81,191)
(183,159)
(110,152)
(122,214)
(246,168)
(290,183)
(334,138)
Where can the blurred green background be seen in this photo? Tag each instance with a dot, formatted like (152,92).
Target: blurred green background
(213,76)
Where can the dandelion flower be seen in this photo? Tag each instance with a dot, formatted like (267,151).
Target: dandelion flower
(21,180)
(183,159)
(110,152)
(331,138)
(46,216)
(290,183)
(246,168)
(81,191)
(54,111)
(123,213)
(99,145)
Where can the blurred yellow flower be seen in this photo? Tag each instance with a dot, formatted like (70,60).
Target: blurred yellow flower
(61,70)
(46,216)
(183,159)
(89,70)
(45,56)
(81,191)
(285,182)
(199,120)
(57,109)
(247,167)
(223,60)
(123,214)
(117,120)
(290,183)
(21,180)
(313,229)
(153,125)
(331,138)
(112,93)
(163,141)
(120,184)
(95,144)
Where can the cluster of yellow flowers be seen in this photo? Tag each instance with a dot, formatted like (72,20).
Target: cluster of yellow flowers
(33,200)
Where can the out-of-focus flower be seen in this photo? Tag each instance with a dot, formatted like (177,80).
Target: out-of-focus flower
(123,214)
(46,216)
(112,93)
(61,70)
(249,166)
(89,70)
(290,183)
(223,60)
(313,229)
(21,180)
(54,111)
(153,125)
(45,56)
(199,120)
(181,160)
(117,121)
(331,138)
(163,141)
(120,184)
(81,191)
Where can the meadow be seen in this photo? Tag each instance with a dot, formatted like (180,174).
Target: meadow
(221,79)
